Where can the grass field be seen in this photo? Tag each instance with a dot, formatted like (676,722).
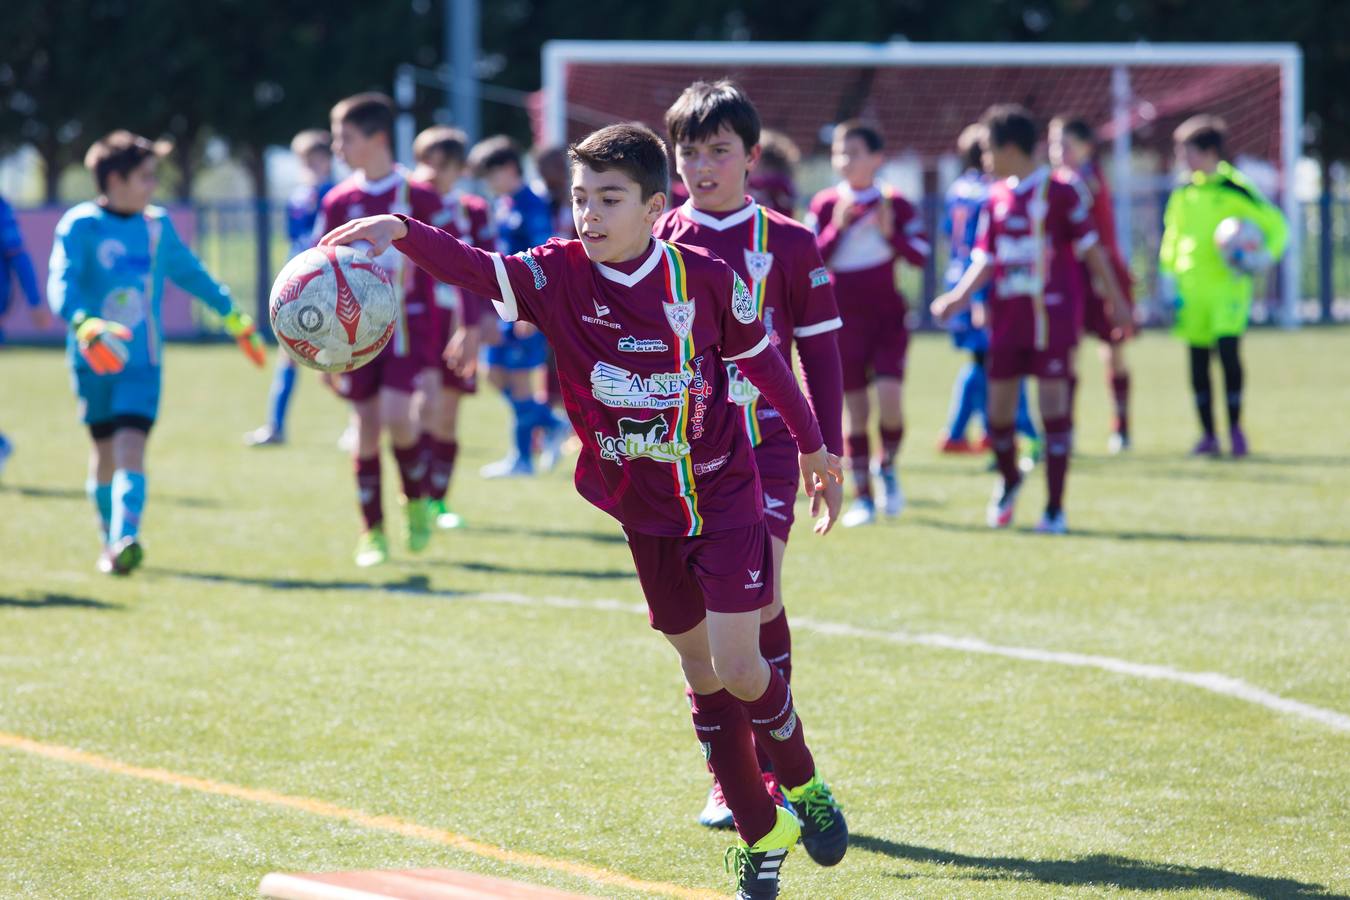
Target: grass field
(244,699)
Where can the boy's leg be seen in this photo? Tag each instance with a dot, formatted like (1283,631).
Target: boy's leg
(890,415)
(1113,353)
(1231,360)
(98,486)
(1004,371)
(128,491)
(411,455)
(1056,399)
(1204,400)
(445,443)
(858,449)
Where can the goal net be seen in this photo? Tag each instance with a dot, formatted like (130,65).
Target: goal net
(922,95)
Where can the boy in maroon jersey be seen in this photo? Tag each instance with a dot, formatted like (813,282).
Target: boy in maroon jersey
(643,330)
(381,392)
(773,180)
(1033,230)
(440,152)
(715,130)
(864,229)
(1073,150)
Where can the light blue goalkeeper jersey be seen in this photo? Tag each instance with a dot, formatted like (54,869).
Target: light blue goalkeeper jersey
(113,266)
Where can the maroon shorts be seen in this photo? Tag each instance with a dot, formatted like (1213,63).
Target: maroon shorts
(386,370)
(685,577)
(779,476)
(447,320)
(1095,319)
(1003,362)
(874,340)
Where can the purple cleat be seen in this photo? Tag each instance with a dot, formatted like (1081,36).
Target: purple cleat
(1208,446)
(1239,442)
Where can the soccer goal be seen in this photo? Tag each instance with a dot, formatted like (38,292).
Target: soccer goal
(922,95)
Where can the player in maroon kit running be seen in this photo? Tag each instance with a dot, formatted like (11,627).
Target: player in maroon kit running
(715,130)
(381,392)
(440,152)
(1073,150)
(1033,230)
(644,330)
(864,228)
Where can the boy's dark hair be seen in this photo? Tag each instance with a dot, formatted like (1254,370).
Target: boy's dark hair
(970,145)
(778,152)
(1076,128)
(495,152)
(1203,132)
(870,135)
(705,107)
(635,150)
(370,113)
(1009,123)
(312,140)
(450,143)
(119,152)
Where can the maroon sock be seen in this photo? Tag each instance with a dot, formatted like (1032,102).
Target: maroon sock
(779,732)
(1058,444)
(1120,390)
(723,729)
(1003,440)
(412,469)
(775,644)
(442,467)
(890,445)
(368,491)
(859,462)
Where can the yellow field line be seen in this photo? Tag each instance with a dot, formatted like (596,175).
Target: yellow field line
(391,824)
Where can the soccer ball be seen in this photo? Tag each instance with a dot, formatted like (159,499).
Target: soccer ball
(1242,246)
(333,309)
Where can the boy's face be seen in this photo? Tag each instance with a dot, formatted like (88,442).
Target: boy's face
(503,180)
(132,193)
(1193,159)
(854,162)
(1005,160)
(357,149)
(611,218)
(715,169)
(319,164)
(1065,149)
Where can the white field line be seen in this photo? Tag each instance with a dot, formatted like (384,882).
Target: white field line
(1214,682)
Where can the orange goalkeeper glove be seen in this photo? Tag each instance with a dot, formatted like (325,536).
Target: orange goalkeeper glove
(242,328)
(102,343)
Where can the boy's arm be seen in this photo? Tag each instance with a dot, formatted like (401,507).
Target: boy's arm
(64,272)
(811,297)
(1167,250)
(1270,219)
(907,237)
(184,269)
(11,244)
(977,274)
(822,223)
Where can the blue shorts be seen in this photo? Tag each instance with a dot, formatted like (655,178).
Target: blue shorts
(131,392)
(965,336)
(518,354)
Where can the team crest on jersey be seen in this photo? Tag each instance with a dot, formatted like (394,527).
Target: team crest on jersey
(680,315)
(758,264)
(124,305)
(742,304)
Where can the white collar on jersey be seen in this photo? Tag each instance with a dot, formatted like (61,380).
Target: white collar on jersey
(1026,184)
(639,273)
(866,195)
(713,222)
(384,184)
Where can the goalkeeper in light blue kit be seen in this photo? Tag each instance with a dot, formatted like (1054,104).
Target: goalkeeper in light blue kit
(108,266)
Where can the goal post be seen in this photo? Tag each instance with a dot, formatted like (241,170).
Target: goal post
(922,94)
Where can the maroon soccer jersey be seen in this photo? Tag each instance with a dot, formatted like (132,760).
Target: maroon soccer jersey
(641,350)
(397,192)
(1033,231)
(777,258)
(467,217)
(858,244)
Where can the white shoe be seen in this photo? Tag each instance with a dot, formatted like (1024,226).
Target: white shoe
(715,812)
(264,436)
(508,467)
(1117,444)
(346,441)
(999,513)
(894,495)
(1053,524)
(862,512)
(552,449)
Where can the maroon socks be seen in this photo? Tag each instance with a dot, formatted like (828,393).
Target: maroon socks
(1120,392)
(778,732)
(1058,443)
(1003,440)
(723,730)
(859,463)
(442,467)
(412,469)
(368,491)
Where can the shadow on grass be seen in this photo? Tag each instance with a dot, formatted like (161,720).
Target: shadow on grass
(588,574)
(57,601)
(599,537)
(411,584)
(1238,540)
(37,492)
(1096,870)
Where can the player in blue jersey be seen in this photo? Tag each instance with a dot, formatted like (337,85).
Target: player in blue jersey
(15,259)
(106,279)
(314,151)
(516,363)
(964,200)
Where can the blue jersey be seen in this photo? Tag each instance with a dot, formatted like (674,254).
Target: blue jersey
(113,266)
(302,210)
(524,220)
(15,259)
(960,220)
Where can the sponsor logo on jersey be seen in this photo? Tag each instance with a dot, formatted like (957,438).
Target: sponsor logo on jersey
(699,391)
(754,582)
(641,438)
(772,505)
(680,316)
(592,320)
(820,277)
(739,389)
(742,304)
(757,265)
(712,465)
(600,309)
(535,269)
(630,344)
(617,387)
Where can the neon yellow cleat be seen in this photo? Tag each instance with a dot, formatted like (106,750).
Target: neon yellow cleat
(757,867)
(372,549)
(419,523)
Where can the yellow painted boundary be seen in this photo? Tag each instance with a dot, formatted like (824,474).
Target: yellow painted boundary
(390,824)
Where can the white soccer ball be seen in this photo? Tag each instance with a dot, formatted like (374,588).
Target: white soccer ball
(333,308)
(1242,246)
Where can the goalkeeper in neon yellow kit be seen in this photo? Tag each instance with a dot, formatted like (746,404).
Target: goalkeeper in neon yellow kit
(106,277)
(1213,300)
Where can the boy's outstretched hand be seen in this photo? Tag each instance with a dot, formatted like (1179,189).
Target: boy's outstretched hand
(378,231)
(823,475)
